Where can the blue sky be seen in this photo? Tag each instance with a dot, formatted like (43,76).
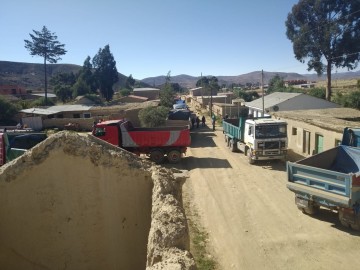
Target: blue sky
(151,37)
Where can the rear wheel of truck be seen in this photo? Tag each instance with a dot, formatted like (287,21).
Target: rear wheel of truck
(310,210)
(174,156)
(233,145)
(355,224)
(157,156)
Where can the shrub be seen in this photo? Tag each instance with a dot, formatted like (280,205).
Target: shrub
(153,116)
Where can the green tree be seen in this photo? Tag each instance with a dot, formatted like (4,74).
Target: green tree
(358,84)
(62,84)
(276,84)
(7,111)
(210,85)
(167,93)
(317,92)
(153,116)
(351,100)
(41,102)
(130,82)
(246,95)
(125,92)
(325,30)
(81,87)
(86,74)
(105,72)
(45,44)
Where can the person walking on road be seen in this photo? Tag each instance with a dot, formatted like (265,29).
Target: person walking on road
(203,121)
(197,121)
(192,122)
(213,119)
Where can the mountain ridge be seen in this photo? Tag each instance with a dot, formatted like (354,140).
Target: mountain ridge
(30,76)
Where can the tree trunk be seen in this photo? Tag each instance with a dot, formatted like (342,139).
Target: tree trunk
(45,81)
(328,88)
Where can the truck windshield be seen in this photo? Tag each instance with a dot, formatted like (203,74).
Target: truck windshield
(270,131)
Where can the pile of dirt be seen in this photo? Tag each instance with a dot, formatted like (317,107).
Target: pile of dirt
(80,203)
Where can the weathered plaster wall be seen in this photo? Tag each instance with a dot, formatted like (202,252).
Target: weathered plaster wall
(73,202)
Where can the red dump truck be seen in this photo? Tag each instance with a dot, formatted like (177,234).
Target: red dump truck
(154,142)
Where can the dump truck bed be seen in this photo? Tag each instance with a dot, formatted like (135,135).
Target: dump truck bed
(331,178)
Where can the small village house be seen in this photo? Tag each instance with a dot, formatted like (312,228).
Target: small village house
(314,131)
(283,101)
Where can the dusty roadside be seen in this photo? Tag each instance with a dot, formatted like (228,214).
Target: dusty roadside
(251,217)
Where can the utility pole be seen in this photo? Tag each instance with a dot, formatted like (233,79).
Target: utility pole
(262,90)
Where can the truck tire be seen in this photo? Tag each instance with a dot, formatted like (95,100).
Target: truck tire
(342,221)
(310,210)
(157,156)
(248,154)
(174,156)
(233,147)
(355,226)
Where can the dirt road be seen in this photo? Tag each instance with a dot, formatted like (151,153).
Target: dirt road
(251,216)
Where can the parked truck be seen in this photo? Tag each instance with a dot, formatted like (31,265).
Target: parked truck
(14,144)
(154,142)
(330,179)
(258,139)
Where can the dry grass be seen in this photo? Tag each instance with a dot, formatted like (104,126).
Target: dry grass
(343,86)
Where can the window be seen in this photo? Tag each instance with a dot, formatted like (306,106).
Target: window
(294,131)
(76,115)
(337,142)
(270,131)
(87,115)
(60,115)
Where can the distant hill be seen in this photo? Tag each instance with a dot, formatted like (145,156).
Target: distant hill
(252,77)
(31,76)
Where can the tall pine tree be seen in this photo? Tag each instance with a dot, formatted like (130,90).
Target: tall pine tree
(45,44)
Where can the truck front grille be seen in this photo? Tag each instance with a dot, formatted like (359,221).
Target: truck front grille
(272,145)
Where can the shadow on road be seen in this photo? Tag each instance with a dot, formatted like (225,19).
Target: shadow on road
(191,163)
(276,165)
(202,138)
(331,217)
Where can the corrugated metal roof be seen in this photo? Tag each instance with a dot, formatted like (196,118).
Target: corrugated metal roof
(146,89)
(49,95)
(272,100)
(197,88)
(58,109)
(39,111)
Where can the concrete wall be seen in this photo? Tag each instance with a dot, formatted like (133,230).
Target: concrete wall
(75,209)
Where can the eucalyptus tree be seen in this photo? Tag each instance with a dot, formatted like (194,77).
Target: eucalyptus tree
(327,34)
